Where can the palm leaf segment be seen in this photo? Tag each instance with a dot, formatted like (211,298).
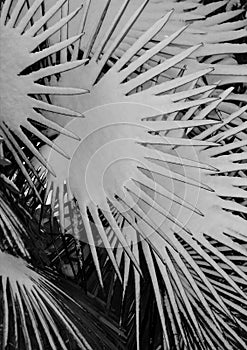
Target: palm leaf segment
(35,313)
(23,99)
(216,31)
(127,141)
(3,160)
(125,121)
(32,307)
(12,231)
(209,249)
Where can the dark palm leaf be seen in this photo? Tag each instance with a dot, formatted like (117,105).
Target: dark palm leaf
(35,314)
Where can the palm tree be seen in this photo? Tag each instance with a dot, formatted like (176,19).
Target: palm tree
(123,211)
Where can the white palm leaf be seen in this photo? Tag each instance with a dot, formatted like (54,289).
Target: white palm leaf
(181,210)
(195,227)
(207,250)
(113,115)
(217,32)
(23,74)
(214,31)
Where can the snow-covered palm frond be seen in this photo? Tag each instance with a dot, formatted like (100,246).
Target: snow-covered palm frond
(24,88)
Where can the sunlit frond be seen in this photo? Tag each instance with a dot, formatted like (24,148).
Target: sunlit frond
(136,156)
(118,124)
(215,24)
(201,249)
(154,171)
(25,66)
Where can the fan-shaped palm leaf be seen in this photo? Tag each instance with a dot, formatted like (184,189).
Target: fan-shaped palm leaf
(37,314)
(22,78)
(103,22)
(141,167)
(120,120)
(127,143)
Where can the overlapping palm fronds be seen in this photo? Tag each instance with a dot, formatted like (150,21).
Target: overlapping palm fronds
(24,70)
(154,171)
(37,314)
(219,26)
(12,231)
(202,250)
(105,23)
(36,307)
(114,116)
(34,312)
(170,190)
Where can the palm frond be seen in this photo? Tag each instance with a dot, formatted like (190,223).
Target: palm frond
(169,188)
(24,58)
(154,171)
(130,122)
(217,26)
(38,314)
